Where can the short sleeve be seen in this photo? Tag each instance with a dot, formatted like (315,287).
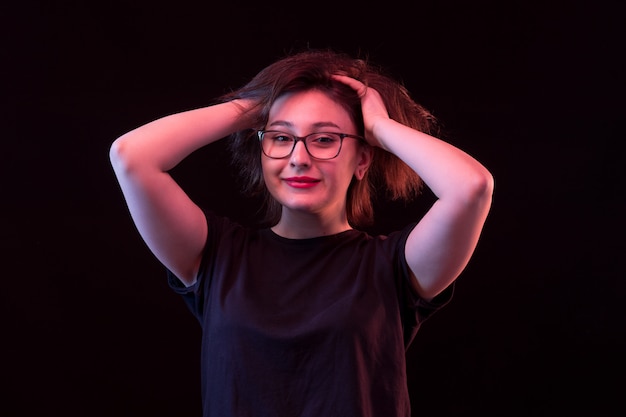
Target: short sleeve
(414,309)
(194,295)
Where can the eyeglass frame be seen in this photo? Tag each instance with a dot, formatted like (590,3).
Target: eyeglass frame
(296,139)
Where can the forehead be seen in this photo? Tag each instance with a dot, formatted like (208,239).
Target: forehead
(305,109)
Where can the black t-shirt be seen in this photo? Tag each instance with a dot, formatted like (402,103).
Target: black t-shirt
(304,327)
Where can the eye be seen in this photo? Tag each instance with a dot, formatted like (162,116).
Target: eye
(324,139)
(279,137)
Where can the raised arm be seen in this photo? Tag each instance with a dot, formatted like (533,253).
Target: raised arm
(441,244)
(171,224)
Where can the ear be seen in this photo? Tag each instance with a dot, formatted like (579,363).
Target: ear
(365,156)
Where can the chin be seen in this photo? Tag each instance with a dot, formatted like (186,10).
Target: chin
(301,206)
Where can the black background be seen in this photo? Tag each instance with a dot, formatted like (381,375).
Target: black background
(534,90)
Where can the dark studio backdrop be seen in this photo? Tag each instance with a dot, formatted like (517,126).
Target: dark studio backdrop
(531,89)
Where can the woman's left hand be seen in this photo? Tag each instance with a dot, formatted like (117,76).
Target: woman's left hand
(372,106)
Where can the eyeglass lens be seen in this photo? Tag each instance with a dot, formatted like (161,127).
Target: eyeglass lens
(322,145)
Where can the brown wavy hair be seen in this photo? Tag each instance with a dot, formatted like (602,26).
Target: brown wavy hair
(312,69)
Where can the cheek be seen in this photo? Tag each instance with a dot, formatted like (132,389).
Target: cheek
(347,169)
(338,178)
(346,176)
(270,170)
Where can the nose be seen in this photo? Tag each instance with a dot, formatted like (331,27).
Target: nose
(300,155)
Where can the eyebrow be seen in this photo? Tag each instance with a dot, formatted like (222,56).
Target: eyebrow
(316,125)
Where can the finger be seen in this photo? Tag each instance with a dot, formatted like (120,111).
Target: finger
(356,85)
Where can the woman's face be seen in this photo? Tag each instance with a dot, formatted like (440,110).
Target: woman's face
(300,182)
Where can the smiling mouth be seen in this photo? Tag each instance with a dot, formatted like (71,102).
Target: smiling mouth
(301,182)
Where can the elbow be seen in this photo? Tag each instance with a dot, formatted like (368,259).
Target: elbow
(116,153)
(124,155)
(120,156)
(480,187)
(485,183)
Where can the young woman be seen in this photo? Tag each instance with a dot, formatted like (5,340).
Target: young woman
(306,315)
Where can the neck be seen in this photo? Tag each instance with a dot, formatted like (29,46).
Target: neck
(307,225)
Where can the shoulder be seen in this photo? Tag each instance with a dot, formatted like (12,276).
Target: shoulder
(392,241)
(221,227)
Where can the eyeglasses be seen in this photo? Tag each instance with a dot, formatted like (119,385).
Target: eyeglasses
(320,145)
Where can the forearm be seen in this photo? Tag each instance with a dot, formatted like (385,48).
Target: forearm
(447,171)
(163,143)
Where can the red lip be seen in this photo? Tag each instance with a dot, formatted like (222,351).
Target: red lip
(301,182)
